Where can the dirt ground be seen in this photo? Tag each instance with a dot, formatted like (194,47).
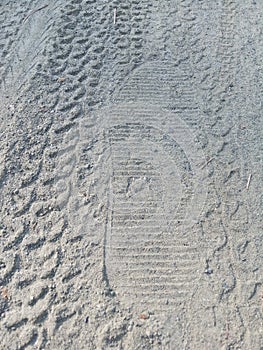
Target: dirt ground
(131,174)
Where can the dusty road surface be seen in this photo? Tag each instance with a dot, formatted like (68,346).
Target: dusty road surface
(131,174)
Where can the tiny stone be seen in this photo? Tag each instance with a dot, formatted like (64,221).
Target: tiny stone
(208,271)
(177,24)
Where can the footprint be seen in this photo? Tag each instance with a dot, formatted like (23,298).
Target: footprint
(155,190)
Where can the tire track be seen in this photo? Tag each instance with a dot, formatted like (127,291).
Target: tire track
(220,94)
(245,219)
(41,250)
(72,77)
(229,186)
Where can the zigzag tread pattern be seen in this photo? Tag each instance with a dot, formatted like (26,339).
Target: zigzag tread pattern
(73,81)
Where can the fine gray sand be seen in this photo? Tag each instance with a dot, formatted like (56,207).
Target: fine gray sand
(131,174)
